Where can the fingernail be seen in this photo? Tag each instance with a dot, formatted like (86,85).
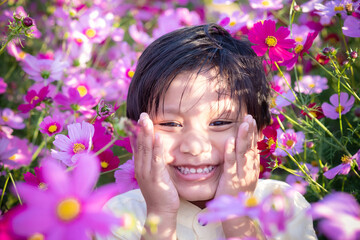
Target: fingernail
(143,115)
(201,222)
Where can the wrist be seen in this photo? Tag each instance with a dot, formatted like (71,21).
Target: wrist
(242,227)
(160,225)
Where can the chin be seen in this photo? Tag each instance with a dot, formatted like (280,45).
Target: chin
(198,193)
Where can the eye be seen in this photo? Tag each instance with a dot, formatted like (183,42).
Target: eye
(220,123)
(170,124)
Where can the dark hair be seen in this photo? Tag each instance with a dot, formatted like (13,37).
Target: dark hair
(201,47)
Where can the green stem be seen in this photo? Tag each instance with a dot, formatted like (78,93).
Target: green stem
(38,150)
(5,44)
(3,2)
(17,193)
(356,173)
(287,83)
(4,189)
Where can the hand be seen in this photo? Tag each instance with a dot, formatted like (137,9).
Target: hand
(241,161)
(153,178)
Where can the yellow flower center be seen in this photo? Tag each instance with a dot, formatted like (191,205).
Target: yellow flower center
(251,202)
(5,118)
(313,114)
(22,55)
(261,168)
(36,236)
(270,142)
(289,143)
(339,109)
(52,128)
(339,8)
(311,85)
(42,186)
(78,148)
(82,90)
(131,73)
(232,23)
(265,3)
(346,159)
(34,99)
(13,157)
(90,33)
(299,48)
(299,39)
(68,209)
(271,41)
(78,40)
(104,164)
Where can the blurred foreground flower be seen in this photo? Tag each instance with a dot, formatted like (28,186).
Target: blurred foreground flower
(125,176)
(67,209)
(339,215)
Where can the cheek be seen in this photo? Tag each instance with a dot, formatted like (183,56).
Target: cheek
(169,143)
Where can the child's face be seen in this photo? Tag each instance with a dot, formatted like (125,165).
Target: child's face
(195,126)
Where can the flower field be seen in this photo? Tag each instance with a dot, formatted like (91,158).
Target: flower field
(66,66)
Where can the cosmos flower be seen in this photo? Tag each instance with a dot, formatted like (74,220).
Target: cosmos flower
(5,152)
(125,176)
(43,70)
(338,214)
(235,22)
(9,118)
(310,84)
(71,147)
(267,145)
(343,106)
(33,99)
(51,125)
(74,100)
(343,169)
(351,26)
(68,209)
(266,37)
(299,51)
(108,161)
(291,141)
(314,111)
(36,179)
(329,10)
(21,157)
(266,4)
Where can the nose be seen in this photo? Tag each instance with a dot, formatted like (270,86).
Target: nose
(195,143)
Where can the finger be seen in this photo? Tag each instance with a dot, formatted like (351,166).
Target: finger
(230,165)
(144,145)
(241,145)
(250,136)
(157,163)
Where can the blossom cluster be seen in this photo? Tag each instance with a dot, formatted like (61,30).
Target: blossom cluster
(66,67)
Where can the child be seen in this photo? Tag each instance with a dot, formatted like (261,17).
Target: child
(200,99)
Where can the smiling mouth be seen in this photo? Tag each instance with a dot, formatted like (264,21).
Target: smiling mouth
(197,170)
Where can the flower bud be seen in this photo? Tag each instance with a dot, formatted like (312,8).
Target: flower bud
(310,144)
(297,8)
(326,50)
(353,55)
(325,169)
(27,22)
(17,17)
(357,112)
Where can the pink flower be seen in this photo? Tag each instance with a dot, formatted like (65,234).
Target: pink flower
(329,10)
(21,157)
(9,118)
(79,141)
(125,176)
(74,100)
(332,110)
(43,70)
(68,209)
(108,161)
(235,22)
(6,152)
(36,179)
(125,143)
(3,85)
(267,145)
(351,26)
(310,84)
(266,37)
(299,51)
(266,4)
(291,141)
(338,214)
(51,125)
(343,169)
(34,99)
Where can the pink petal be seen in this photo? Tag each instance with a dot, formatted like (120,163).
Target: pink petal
(56,177)
(63,143)
(260,50)
(329,111)
(331,173)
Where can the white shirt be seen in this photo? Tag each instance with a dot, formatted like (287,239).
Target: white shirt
(188,228)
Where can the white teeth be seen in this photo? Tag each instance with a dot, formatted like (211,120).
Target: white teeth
(185,170)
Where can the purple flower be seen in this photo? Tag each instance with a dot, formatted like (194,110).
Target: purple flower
(104,110)
(125,176)
(339,216)
(68,208)
(266,4)
(330,9)
(22,155)
(9,118)
(235,22)
(51,125)
(310,84)
(332,110)
(343,169)
(351,27)
(3,86)
(33,98)
(43,70)
(6,152)
(79,141)
(291,141)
